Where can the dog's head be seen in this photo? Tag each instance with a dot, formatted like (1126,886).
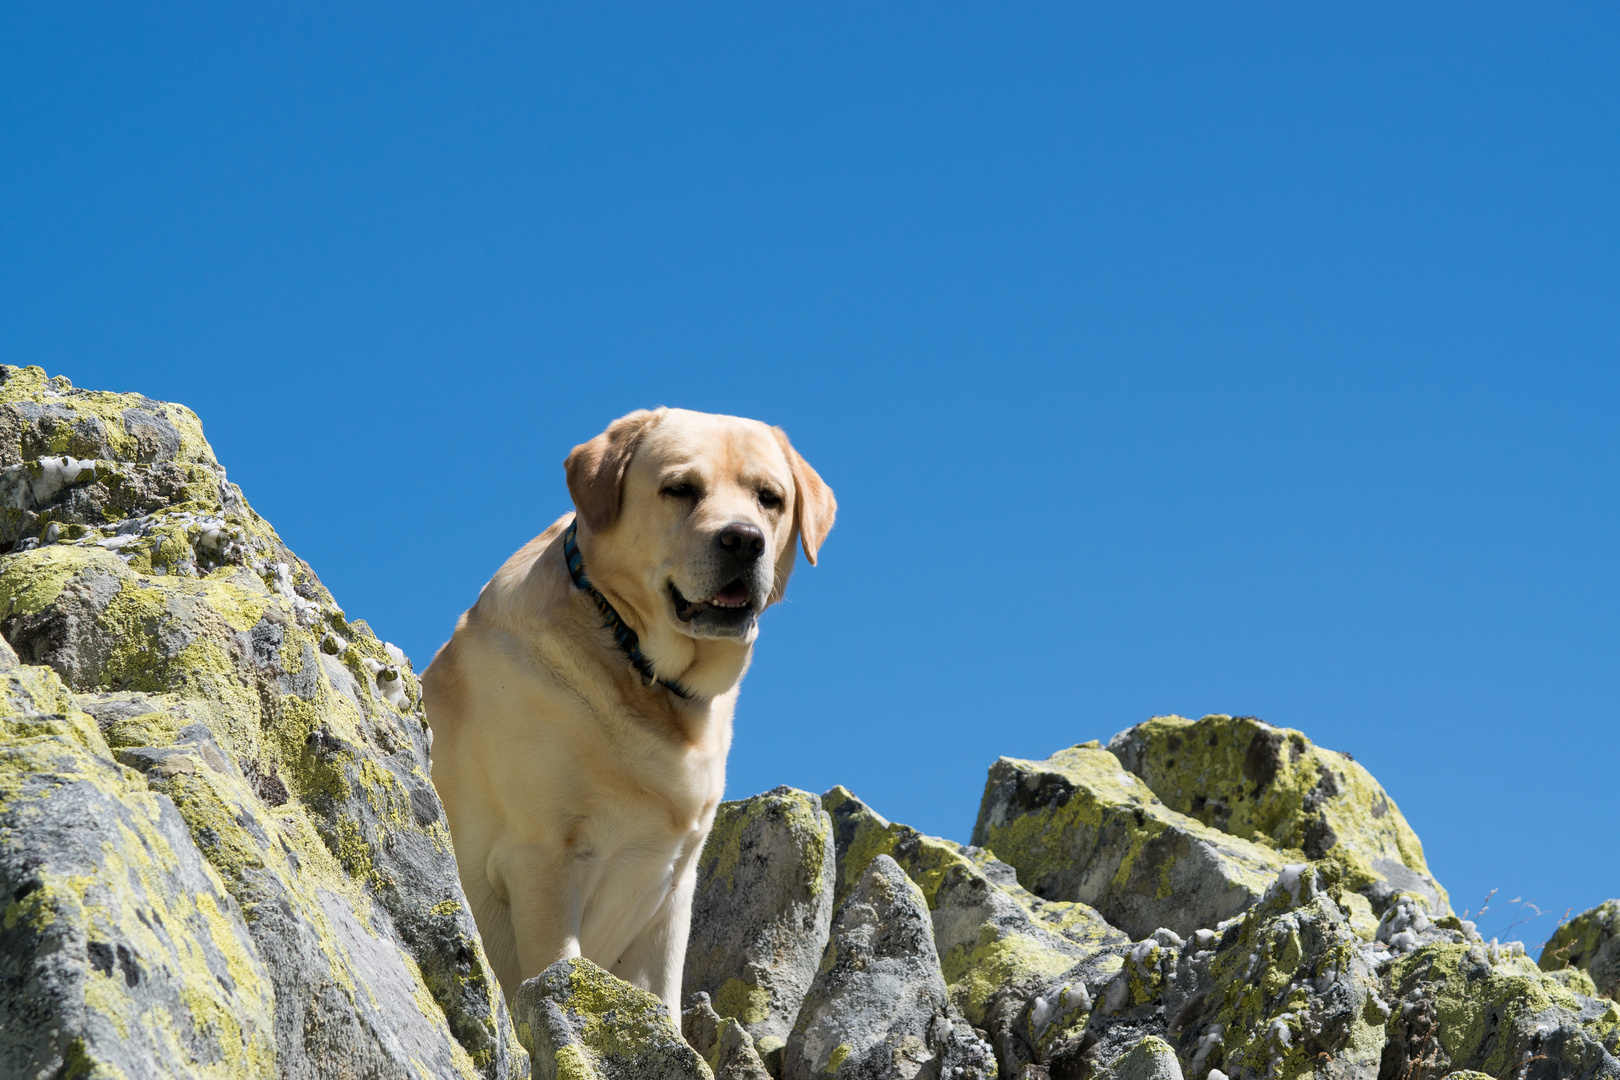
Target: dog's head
(692,517)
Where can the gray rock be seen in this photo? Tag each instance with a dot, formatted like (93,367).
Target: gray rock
(1274,786)
(187,635)
(762,909)
(998,944)
(1289,988)
(1077,826)
(121,952)
(1150,1059)
(1589,942)
(722,1042)
(878,1008)
(579,1022)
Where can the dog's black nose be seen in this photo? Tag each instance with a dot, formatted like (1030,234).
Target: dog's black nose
(743,540)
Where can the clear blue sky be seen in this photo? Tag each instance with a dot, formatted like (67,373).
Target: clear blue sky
(1164,358)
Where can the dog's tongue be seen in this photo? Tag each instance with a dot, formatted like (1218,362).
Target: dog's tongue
(732,595)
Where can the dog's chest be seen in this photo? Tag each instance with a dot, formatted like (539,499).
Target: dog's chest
(657,807)
(630,862)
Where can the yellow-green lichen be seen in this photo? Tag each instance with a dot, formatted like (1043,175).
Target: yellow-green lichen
(799,811)
(994,955)
(1579,943)
(127,888)
(1482,1001)
(123,439)
(32,580)
(1274,787)
(1100,799)
(975,975)
(742,1001)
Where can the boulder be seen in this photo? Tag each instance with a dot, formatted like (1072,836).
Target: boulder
(722,1042)
(1274,787)
(1590,942)
(579,1022)
(1078,827)
(762,910)
(998,944)
(878,1008)
(247,762)
(1150,1059)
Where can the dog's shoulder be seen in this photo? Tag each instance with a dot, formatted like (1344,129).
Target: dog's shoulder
(515,606)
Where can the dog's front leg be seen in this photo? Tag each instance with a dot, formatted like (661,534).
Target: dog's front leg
(657,957)
(545,897)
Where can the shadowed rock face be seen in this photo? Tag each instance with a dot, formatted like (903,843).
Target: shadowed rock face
(221,846)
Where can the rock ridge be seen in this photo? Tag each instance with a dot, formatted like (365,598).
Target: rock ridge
(221,856)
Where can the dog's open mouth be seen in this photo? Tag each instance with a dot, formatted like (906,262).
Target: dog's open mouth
(732,597)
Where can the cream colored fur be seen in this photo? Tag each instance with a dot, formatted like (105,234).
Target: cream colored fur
(578,798)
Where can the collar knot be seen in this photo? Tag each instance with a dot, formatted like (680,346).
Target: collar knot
(628,641)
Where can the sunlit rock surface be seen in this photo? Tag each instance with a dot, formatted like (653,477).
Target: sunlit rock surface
(762,909)
(581,1023)
(221,848)
(1275,787)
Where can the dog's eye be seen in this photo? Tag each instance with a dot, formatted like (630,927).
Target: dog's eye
(679,491)
(770,500)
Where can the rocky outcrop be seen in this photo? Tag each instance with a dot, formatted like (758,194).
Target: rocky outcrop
(122,947)
(722,1042)
(762,910)
(878,1008)
(221,849)
(1274,787)
(998,944)
(220,855)
(1589,943)
(1077,826)
(580,1023)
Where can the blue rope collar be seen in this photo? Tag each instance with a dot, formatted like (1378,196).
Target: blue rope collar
(628,641)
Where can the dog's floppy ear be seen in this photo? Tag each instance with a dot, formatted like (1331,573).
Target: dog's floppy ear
(813,502)
(596,468)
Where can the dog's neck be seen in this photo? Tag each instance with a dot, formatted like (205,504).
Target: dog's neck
(693,670)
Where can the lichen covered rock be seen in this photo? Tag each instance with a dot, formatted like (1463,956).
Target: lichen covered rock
(1077,826)
(1472,1005)
(1589,942)
(123,952)
(998,944)
(1288,989)
(266,750)
(722,1042)
(1150,1059)
(1274,787)
(762,910)
(221,856)
(579,1022)
(878,1008)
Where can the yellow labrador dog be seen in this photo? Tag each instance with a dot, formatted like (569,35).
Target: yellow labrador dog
(581,713)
